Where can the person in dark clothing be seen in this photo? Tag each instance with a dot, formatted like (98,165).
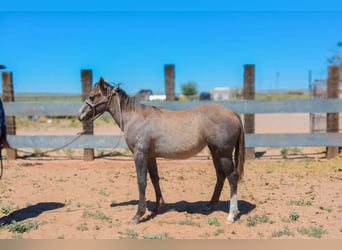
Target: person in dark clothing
(3,134)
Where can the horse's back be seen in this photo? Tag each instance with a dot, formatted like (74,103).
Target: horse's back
(186,132)
(221,126)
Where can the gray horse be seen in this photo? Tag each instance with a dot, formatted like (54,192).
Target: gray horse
(152,132)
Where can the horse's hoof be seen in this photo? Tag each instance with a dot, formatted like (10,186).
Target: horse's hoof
(231,218)
(134,221)
(159,205)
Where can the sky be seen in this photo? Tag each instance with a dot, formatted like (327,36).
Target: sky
(47,43)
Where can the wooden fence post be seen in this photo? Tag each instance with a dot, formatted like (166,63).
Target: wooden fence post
(169,76)
(249,94)
(333,118)
(88,126)
(8,96)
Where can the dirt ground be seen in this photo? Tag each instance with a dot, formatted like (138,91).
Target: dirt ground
(288,195)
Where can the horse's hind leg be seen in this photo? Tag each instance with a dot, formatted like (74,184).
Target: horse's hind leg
(233,179)
(224,167)
(222,170)
(220,177)
(153,171)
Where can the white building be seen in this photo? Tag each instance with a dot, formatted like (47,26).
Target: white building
(221,93)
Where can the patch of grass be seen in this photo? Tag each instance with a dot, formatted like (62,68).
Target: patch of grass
(205,235)
(129,234)
(213,221)
(83,227)
(37,151)
(161,236)
(6,209)
(98,215)
(284,153)
(296,151)
(100,152)
(286,231)
(219,231)
(23,226)
(314,232)
(301,202)
(74,123)
(68,151)
(103,192)
(255,219)
(189,222)
(293,216)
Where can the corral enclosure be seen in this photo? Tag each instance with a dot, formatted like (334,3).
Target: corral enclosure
(289,191)
(248,107)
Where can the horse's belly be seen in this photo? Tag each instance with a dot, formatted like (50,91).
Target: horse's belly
(178,149)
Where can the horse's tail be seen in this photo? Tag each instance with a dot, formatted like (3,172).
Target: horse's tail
(239,154)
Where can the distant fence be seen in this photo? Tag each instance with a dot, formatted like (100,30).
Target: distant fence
(331,139)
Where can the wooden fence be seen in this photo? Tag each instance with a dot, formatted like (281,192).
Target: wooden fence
(241,107)
(249,107)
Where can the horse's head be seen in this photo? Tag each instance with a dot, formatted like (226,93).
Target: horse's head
(98,101)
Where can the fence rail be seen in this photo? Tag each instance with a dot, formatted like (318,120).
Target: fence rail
(242,107)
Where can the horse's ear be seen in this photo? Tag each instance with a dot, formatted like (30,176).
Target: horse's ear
(101,81)
(103,86)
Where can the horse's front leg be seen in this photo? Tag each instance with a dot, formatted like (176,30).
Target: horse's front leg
(141,163)
(153,171)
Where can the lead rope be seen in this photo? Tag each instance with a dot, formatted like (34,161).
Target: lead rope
(121,120)
(78,135)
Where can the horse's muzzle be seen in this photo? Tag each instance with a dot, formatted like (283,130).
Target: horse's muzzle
(83,114)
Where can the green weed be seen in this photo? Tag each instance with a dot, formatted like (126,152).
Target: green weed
(301,202)
(213,221)
(98,215)
(129,234)
(6,209)
(74,123)
(315,232)
(284,153)
(253,220)
(286,231)
(293,216)
(189,222)
(161,236)
(22,227)
(83,227)
(219,231)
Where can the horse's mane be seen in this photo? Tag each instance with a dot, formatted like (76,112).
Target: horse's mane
(129,103)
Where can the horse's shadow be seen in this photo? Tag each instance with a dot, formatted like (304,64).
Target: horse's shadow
(197,207)
(31,211)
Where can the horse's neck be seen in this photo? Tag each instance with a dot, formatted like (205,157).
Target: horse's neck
(121,109)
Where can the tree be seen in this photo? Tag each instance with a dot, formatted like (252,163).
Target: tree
(189,89)
(336,58)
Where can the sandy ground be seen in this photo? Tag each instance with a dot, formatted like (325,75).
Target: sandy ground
(73,199)
(63,197)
